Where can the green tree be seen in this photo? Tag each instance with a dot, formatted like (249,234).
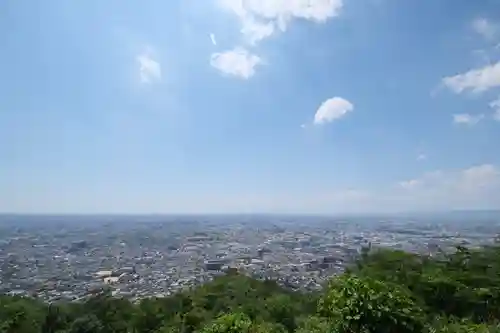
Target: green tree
(20,315)
(87,324)
(115,314)
(368,305)
(314,324)
(229,323)
(55,320)
(267,327)
(447,325)
(148,316)
(281,309)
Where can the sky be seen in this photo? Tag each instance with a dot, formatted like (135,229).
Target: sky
(249,106)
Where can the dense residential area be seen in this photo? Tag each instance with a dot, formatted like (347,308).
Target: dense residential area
(69,258)
(249,274)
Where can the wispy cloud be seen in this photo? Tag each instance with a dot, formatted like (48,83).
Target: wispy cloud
(212,39)
(237,62)
(477,80)
(332,109)
(495,105)
(421,157)
(487,29)
(255,30)
(467,119)
(473,180)
(410,184)
(475,187)
(149,68)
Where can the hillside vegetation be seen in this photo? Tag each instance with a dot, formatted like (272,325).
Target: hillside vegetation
(386,291)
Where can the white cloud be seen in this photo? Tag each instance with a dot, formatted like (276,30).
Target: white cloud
(485,28)
(285,10)
(477,80)
(479,177)
(255,30)
(149,69)
(474,187)
(466,181)
(467,119)
(266,14)
(332,109)
(426,178)
(237,62)
(212,38)
(260,19)
(495,105)
(409,184)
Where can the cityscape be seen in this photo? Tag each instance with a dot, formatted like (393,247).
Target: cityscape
(70,258)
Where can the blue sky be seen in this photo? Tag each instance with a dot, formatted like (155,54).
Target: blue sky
(192,106)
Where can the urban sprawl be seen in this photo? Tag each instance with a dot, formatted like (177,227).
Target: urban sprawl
(71,258)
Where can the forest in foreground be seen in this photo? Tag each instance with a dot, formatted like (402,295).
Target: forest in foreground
(384,291)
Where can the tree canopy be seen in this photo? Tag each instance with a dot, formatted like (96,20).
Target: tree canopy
(385,291)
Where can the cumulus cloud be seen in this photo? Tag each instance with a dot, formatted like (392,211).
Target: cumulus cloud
(332,109)
(262,16)
(467,119)
(487,29)
(237,62)
(476,80)
(149,69)
(260,19)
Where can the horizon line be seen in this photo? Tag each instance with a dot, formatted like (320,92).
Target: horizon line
(244,213)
